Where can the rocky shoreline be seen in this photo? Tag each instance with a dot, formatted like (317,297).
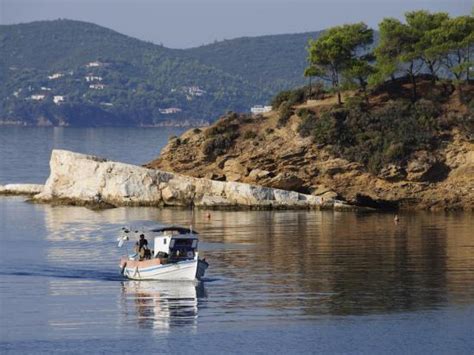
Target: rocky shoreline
(86,180)
(21,189)
(256,150)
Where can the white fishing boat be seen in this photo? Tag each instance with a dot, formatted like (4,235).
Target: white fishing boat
(174,255)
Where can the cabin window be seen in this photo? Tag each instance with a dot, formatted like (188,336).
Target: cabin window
(194,245)
(164,241)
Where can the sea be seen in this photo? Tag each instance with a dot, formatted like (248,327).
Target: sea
(278,282)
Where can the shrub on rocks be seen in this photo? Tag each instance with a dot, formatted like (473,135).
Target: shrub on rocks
(250,135)
(219,144)
(224,125)
(285,113)
(298,95)
(377,137)
(301,112)
(307,124)
(222,135)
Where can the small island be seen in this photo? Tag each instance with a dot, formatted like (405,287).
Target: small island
(394,130)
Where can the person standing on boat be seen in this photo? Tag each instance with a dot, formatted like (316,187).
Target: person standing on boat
(142,248)
(142,243)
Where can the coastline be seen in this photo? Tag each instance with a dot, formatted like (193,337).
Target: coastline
(171,124)
(86,180)
(257,150)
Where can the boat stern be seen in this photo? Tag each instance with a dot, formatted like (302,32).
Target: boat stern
(201,268)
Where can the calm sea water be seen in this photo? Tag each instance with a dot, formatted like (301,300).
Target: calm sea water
(278,282)
(25,151)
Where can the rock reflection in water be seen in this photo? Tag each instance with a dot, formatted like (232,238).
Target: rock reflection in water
(161,305)
(294,263)
(312,264)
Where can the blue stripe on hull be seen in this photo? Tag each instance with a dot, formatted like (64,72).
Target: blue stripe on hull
(164,271)
(146,269)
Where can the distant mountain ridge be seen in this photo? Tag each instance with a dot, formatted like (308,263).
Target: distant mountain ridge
(107,78)
(275,62)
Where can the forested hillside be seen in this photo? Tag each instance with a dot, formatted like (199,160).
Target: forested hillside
(67,72)
(271,62)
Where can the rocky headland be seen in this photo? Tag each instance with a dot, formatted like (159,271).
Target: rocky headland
(280,149)
(86,180)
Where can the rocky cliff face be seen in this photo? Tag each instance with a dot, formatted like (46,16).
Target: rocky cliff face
(89,180)
(259,151)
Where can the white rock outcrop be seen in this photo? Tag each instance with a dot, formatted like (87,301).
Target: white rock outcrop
(80,178)
(21,189)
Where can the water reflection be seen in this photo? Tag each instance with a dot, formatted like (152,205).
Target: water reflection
(161,305)
(309,264)
(289,263)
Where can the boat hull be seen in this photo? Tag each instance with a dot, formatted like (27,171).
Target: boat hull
(183,270)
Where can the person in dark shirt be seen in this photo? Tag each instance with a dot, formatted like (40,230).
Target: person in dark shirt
(142,248)
(142,243)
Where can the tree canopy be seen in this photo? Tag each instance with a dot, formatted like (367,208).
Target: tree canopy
(336,50)
(425,42)
(453,41)
(423,25)
(397,51)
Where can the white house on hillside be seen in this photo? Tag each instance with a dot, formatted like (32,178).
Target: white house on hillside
(94,64)
(194,90)
(97,86)
(260,109)
(55,76)
(170,110)
(58,99)
(90,78)
(38,97)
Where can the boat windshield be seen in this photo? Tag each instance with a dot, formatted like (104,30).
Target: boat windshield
(183,248)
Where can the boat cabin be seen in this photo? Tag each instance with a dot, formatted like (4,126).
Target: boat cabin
(175,243)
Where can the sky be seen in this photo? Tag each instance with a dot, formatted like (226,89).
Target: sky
(190,23)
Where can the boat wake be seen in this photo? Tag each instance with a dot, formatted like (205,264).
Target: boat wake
(85,274)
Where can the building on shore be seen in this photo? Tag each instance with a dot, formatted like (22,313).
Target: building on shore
(37,97)
(170,110)
(97,86)
(90,78)
(260,109)
(55,76)
(94,64)
(58,99)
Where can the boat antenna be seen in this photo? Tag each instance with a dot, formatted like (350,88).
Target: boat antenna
(192,218)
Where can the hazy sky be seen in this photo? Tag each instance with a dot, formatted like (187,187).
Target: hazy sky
(187,23)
